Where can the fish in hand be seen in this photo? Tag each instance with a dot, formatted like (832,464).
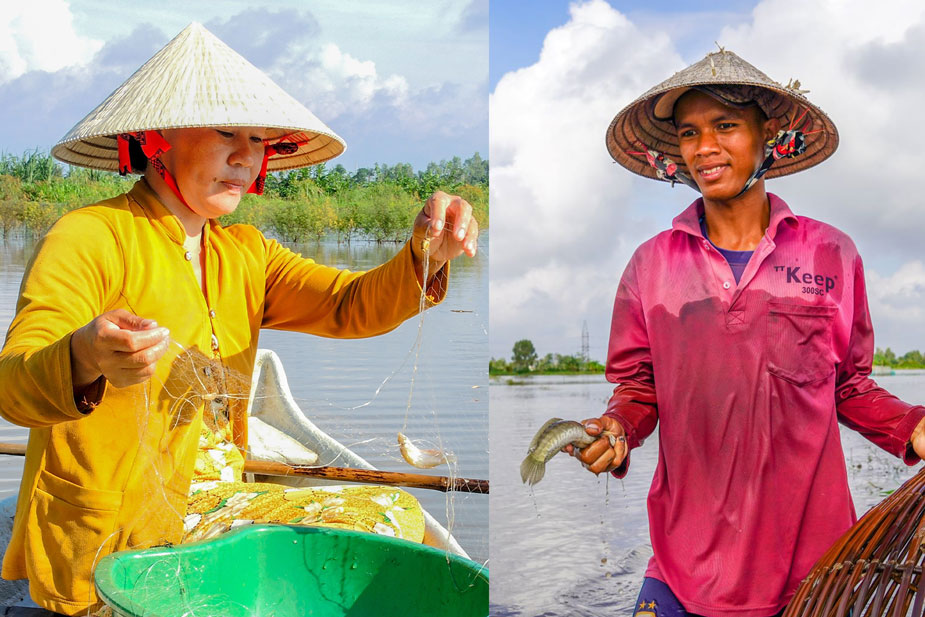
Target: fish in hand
(549,441)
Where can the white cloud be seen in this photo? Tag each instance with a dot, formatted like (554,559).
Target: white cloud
(555,192)
(560,208)
(864,68)
(334,83)
(359,80)
(40,35)
(339,87)
(421,108)
(897,306)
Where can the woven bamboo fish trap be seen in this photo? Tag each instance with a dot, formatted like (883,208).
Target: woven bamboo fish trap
(875,569)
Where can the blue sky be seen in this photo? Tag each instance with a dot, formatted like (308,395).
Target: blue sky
(401,81)
(565,218)
(518,27)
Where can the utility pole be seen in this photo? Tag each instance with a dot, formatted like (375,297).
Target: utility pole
(585,347)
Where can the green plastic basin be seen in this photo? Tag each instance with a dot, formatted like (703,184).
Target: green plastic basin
(283,571)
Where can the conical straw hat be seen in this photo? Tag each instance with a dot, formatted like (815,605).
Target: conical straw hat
(647,120)
(197,81)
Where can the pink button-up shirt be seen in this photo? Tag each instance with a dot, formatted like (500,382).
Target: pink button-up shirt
(747,383)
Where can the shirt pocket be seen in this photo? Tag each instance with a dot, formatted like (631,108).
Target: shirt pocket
(799,342)
(69,528)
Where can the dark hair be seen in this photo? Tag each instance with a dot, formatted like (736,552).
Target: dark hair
(136,156)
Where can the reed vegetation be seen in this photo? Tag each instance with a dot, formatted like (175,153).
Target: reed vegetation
(375,203)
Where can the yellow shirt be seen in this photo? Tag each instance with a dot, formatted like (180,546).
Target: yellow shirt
(118,477)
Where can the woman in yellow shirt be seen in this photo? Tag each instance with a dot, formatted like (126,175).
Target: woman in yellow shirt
(137,313)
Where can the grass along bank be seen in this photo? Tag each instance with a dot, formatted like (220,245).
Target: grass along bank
(375,203)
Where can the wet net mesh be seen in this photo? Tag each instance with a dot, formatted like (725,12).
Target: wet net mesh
(427,380)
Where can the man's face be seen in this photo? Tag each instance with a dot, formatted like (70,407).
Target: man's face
(721,145)
(214,167)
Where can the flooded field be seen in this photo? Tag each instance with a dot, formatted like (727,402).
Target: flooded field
(577,545)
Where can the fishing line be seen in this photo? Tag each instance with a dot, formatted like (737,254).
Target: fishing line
(415,458)
(195,382)
(603,513)
(427,458)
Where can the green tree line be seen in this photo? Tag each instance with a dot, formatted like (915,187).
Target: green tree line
(376,203)
(524,361)
(887,357)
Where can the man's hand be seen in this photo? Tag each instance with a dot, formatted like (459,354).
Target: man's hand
(122,347)
(601,456)
(446,226)
(918,439)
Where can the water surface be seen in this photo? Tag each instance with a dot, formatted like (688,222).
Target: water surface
(578,545)
(328,378)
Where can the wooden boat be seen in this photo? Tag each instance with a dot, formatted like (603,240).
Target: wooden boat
(271,403)
(280,432)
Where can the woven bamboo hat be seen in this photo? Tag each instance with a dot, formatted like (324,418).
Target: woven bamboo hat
(647,121)
(198,81)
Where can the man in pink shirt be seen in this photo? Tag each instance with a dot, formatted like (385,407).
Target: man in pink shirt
(744,333)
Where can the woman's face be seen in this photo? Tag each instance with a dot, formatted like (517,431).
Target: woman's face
(214,167)
(721,145)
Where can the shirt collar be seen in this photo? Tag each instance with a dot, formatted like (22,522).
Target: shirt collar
(689,220)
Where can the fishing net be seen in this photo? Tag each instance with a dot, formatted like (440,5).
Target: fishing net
(875,569)
(427,379)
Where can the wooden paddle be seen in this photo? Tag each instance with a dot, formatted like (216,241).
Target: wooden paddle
(343,474)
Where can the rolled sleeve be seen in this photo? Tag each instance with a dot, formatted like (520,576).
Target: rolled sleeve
(306,296)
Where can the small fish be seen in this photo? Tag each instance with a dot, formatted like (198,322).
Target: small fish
(539,433)
(548,441)
(422,459)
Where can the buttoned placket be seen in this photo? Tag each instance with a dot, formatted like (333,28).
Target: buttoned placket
(729,291)
(219,405)
(210,313)
(722,272)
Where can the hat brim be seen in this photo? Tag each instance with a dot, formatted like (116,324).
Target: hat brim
(638,125)
(198,81)
(101,151)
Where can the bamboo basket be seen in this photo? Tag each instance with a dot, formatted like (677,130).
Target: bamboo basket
(875,569)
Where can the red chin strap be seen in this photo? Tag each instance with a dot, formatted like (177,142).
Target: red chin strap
(153,145)
(283,147)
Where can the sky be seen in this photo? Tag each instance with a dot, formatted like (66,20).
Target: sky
(400,81)
(566,218)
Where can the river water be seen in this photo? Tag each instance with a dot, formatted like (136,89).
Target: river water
(329,378)
(578,545)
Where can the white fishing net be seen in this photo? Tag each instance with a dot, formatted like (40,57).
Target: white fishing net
(344,401)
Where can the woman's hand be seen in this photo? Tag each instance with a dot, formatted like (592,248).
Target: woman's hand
(601,456)
(118,345)
(444,225)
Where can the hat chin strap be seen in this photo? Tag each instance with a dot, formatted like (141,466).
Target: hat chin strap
(283,147)
(153,145)
(787,144)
